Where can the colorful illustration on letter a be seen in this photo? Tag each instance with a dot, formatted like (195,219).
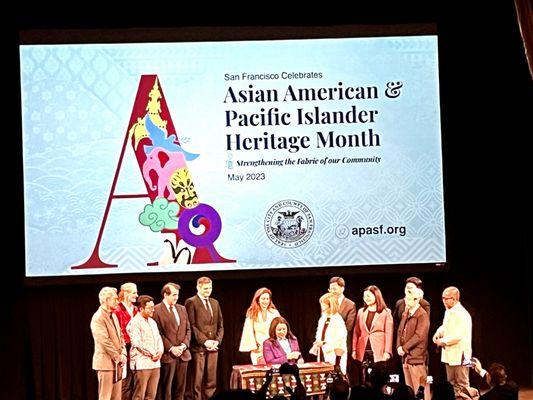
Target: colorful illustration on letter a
(190,227)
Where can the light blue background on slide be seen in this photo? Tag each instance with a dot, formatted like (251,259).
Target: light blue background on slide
(77,101)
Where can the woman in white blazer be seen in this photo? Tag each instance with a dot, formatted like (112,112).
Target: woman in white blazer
(331,334)
(257,324)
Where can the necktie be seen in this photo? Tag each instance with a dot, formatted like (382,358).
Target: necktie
(209,308)
(174,313)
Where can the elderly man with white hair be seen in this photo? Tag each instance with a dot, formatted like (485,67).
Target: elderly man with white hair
(109,347)
(412,341)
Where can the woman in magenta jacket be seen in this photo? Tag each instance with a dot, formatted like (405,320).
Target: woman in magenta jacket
(282,346)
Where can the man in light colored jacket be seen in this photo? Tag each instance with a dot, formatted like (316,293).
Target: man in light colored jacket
(454,336)
(109,347)
(146,350)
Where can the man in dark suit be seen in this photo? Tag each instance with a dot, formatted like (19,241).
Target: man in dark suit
(207,332)
(348,313)
(175,330)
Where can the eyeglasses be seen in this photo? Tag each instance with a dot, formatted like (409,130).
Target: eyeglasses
(447,298)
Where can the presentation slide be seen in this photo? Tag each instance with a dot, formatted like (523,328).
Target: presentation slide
(235,155)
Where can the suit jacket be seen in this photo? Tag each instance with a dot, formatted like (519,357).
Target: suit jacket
(274,353)
(171,333)
(348,312)
(202,326)
(413,336)
(380,334)
(124,318)
(109,343)
(507,391)
(456,333)
(399,309)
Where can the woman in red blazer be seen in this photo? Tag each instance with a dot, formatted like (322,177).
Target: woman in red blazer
(373,330)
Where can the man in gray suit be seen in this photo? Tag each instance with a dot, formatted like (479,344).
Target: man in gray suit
(348,313)
(174,327)
(109,347)
(207,332)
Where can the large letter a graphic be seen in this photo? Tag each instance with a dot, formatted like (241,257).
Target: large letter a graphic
(174,206)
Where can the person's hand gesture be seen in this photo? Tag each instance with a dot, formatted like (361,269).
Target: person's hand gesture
(477,364)
(293,355)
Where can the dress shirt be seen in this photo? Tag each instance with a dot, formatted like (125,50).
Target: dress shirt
(172,309)
(207,305)
(411,312)
(146,342)
(285,345)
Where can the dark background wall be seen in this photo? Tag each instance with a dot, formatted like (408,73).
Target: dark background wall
(486,99)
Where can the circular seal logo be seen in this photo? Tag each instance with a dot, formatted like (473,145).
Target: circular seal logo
(289,223)
(342,231)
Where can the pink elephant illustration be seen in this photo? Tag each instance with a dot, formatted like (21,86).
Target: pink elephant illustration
(163,163)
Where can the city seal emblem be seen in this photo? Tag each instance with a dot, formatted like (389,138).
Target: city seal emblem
(289,223)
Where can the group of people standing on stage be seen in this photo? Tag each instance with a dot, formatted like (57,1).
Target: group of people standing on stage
(355,339)
(154,343)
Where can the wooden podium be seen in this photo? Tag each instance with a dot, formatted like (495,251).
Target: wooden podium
(252,377)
